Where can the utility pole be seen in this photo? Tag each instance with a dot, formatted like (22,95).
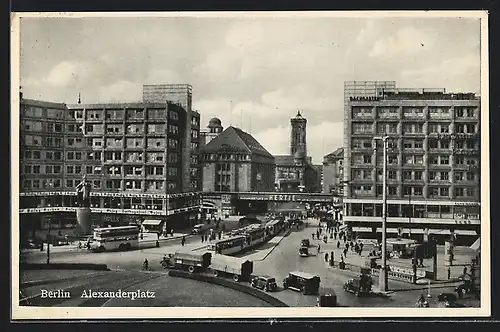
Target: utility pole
(383,282)
(49,242)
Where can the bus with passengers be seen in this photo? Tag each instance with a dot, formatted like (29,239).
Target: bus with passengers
(115,238)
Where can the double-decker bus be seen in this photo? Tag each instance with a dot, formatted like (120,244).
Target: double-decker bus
(115,238)
(231,245)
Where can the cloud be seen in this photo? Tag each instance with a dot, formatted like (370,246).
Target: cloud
(407,40)
(67,73)
(276,140)
(121,91)
(162,76)
(459,74)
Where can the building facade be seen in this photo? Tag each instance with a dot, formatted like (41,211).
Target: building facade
(132,154)
(333,173)
(235,161)
(433,162)
(181,94)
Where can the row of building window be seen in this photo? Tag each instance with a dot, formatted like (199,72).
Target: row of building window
(131,114)
(414,128)
(415,211)
(96,155)
(225,156)
(98,170)
(393,159)
(97,184)
(417,191)
(416,175)
(116,142)
(418,144)
(361,112)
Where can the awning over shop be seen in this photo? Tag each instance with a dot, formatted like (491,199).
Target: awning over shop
(152,222)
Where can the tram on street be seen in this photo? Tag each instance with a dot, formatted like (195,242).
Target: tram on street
(228,246)
(255,235)
(115,238)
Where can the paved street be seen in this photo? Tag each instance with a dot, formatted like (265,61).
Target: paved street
(285,258)
(276,258)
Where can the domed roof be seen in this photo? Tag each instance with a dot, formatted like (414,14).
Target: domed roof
(214,122)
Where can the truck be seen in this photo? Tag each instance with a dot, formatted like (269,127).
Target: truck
(240,269)
(189,260)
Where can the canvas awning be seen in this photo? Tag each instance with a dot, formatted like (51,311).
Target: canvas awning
(152,222)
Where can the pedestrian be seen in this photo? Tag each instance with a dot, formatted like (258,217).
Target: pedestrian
(220,235)
(361,246)
(356,247)
(338,244)
(345,252)
(326,257)
(347,246)
(319,248)
(317,234)
(332,255)
(335,235)
(449,273)
(312,235)
(158,235)
(202,238)
(183,240)
(157,244)
(465,270)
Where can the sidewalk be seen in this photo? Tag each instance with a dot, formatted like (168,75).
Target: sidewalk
(462,257)
(148,238)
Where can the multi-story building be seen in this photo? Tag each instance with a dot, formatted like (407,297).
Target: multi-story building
(433,156)
(235,161)
(181,94)
(132,153)
(333,172)
(295,172)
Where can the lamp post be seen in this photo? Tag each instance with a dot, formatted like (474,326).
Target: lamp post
(383,271)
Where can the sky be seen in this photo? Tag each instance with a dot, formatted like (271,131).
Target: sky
(254,73)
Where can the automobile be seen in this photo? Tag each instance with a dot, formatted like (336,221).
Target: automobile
(467,286)
(447,297)
(304,251)
(305,243)
(327,298)
(359,285)
(197,229)
(32,244)
(303,282)
(265,283)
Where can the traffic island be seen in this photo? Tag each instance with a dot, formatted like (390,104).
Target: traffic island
(229,284)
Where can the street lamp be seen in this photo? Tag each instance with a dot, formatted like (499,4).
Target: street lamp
(383,273)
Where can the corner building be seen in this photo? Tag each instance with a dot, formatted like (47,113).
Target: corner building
(433,163)
(132,153)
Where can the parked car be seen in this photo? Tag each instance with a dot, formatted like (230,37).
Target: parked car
(305,243)
(303,282)
(265,283)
